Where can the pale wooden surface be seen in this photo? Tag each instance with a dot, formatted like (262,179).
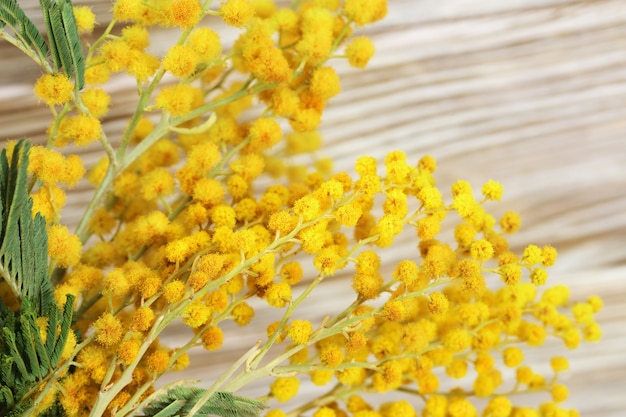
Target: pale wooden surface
(531,93)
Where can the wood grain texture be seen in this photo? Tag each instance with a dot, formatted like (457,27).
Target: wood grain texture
(531,93)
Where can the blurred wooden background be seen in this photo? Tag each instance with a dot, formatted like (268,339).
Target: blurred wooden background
(528,92)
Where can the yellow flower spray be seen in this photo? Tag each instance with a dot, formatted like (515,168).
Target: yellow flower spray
(178,227)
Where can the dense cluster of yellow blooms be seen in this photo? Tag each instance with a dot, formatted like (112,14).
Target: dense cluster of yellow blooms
(178,228)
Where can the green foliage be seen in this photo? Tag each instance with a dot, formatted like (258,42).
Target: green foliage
(62,29)
(25,31)
(179,401)
(26,358)
(63,46)
(23,241)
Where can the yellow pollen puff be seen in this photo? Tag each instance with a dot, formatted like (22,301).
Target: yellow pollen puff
(457,369)
(237,12)
(278,294)
(499,406)
(178,99)
(349,215)
(548,255)
(108,330)
(284,389)
(185,13)
(325,412)
(534,334)
(206,43)
(360,51)
(356,341)
(54,89)
(96,100)
(595,302)
(317,34)
(264,133)
(406,272)
(117,55)
(158,361)
(142,65)
(282,222)
(302,142)
(431,199)
(492,190)
(276,413)
(367,285)
(291,272)
(299,331)
(559,393)
(242,314)
(438,304)
(125,10)
(327,261)
(365,165)
(325,82)
(456,340)
(481,250)
(393,310)
(559,364)
(484,362)
(81,130)
(510,222)
(464,234)
(136,36)
(128,350)
(331,354)
(396,203)
(532,255)
(427,163)
(64,248)
(510,273)
(97,73)
(180,60)
(116,283)
(428,227)
(196,314)
(174,291)
(248,166)
(157,183)
(223,215)
(365,11)
(212,338)
(538,276)
(461,187)
(85,19)
(356,403)
(208,191)
(512,356)
(143,318)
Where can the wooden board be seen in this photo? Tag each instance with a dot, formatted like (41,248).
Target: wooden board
(531,93)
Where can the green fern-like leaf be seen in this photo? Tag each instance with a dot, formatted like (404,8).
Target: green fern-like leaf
(12,15)
(25,359)
(23,242)
(73,40)
(178,402)
(65,45)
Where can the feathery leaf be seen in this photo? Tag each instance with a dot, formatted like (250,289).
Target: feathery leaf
(62,29)
(178,402)
(23,242)
(73,40)
(24,357)
(26,32)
